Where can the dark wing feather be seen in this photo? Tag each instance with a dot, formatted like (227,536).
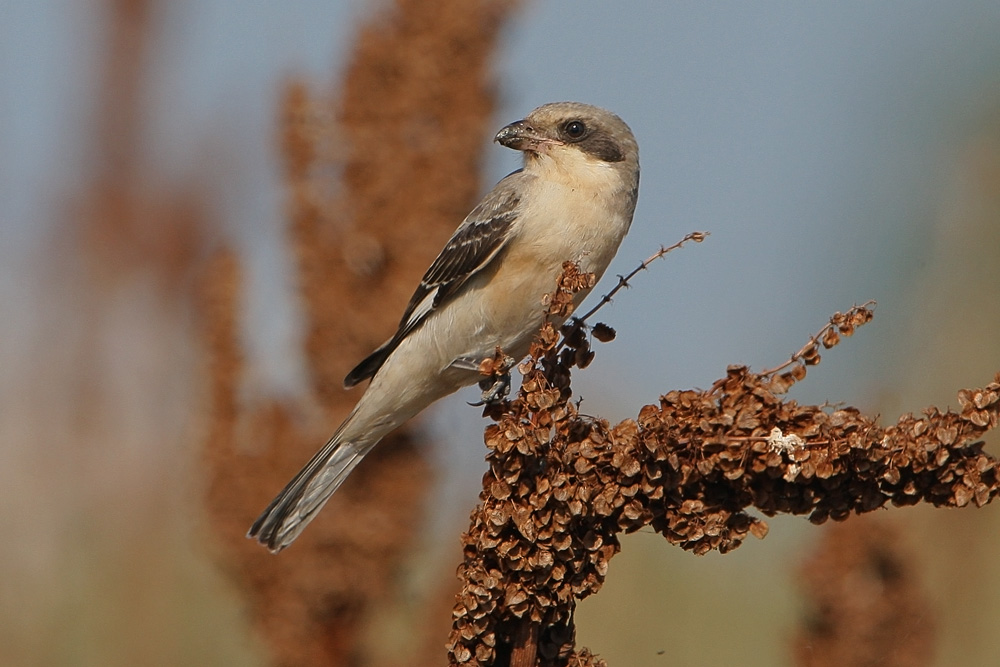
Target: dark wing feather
(476,242)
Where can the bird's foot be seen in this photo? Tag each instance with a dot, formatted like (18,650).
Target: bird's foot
(496,384)
(495,389)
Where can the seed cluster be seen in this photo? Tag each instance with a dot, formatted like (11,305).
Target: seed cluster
(562,486)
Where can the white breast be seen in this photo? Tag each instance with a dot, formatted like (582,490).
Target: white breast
(577,210)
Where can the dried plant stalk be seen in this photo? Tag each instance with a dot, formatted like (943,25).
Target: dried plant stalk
(562,487)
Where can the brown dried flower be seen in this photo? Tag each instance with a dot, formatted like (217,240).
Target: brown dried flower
(561,487)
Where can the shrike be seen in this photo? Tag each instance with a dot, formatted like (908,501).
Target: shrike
(572,200)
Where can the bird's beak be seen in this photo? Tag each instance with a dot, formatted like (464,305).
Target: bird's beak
(521,136)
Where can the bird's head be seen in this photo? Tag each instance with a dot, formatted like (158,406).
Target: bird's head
(559,127)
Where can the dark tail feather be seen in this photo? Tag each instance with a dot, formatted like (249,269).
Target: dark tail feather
(370,364)
(292,510)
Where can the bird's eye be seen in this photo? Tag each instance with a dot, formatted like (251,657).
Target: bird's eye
(574,129)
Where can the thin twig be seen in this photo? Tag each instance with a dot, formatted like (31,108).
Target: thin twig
(697,237)
(810,347)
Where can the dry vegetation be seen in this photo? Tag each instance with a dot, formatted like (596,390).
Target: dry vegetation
(365,215)
(563,486)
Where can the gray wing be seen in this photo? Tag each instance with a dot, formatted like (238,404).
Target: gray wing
(477,242)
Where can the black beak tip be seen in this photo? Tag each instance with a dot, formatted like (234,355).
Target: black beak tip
(512,135)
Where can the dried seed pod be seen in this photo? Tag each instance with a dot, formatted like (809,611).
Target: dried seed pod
(561,487)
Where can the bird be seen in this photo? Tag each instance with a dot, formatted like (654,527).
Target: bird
(572,200)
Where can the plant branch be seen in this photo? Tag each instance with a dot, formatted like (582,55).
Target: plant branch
(561,487)
(623,281)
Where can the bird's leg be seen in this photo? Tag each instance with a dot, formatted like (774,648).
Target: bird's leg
(495,389)
(496,383)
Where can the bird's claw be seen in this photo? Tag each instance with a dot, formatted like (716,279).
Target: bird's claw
(494,390)
(496,384)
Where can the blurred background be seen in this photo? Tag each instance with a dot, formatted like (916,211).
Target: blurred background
(188,188)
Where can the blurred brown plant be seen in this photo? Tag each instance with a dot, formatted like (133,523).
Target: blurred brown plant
(105,373)
(366,214)
(131,224)
(562,486)
(864,606)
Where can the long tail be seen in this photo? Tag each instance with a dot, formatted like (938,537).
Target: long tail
(299,502)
